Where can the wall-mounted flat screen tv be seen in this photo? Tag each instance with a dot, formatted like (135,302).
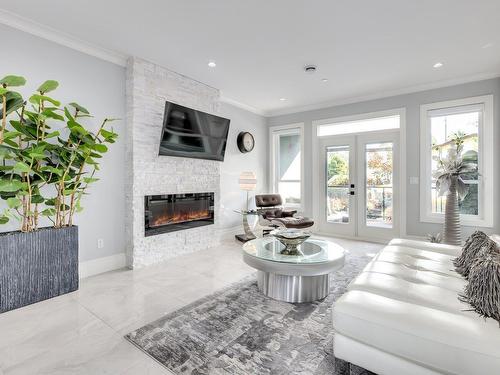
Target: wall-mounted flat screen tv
(193,134)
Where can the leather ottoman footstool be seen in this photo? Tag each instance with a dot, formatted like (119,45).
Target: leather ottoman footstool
(297,222)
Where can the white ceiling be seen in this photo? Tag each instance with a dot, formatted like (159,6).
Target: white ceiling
(365,48)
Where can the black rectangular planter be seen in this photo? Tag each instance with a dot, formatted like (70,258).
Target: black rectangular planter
(37,266)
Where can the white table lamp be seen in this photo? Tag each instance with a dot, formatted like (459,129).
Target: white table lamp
(248,182)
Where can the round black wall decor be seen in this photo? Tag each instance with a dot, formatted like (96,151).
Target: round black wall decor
(245,141)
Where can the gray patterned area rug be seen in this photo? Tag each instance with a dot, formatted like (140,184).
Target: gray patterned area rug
(240,331)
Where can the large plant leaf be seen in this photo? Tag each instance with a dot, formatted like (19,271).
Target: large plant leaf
(48,86)
(54,170)
(13,81)
(50,113)
(78,206)
(100,148)
(68,114)
(79,108)
(63,207)
(68,191)
(7,152)
(48,212)
(11,186)
(50,202)
(10,143)
(27,129)
(14,101)
(37,199)
(4,220)
(90,180)
(109,136)
(37,153)
(11,134)
(22,167)
(92,162)
(13,202)
(76,128)
(37,156)
(37,99)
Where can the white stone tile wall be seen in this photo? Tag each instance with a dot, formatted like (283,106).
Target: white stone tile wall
(148,87)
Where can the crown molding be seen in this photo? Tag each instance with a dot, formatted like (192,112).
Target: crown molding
(32,27)
(244,106)
(29,26)
(385,94)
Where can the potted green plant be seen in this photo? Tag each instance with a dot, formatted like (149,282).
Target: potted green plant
(48,159)
(449,176)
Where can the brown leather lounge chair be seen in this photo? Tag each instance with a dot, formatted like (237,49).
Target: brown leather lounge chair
(271,213)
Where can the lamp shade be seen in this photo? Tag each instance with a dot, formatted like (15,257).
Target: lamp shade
(248,181)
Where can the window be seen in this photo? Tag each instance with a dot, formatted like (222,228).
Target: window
(470,122)
(287,163)
(359,126)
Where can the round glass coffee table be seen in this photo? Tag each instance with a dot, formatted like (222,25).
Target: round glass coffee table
(294,278)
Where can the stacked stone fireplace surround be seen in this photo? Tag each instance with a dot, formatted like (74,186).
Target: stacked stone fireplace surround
(148,87)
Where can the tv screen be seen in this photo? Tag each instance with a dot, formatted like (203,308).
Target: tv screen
(193,134)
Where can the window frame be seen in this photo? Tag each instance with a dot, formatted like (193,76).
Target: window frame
(485,160)
(274,133)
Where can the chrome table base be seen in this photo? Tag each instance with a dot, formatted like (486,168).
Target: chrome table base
(293,289)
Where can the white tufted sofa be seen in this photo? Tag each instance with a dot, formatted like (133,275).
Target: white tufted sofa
(401,316)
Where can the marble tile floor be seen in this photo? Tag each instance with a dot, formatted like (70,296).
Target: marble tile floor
(82,332)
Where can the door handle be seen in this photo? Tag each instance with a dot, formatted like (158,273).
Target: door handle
(352,186)
(352,193)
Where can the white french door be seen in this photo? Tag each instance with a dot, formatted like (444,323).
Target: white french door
(359,185)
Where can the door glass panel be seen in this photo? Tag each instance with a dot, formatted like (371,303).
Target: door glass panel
(379,184)
(337,184)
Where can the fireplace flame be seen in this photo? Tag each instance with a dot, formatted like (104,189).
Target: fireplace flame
(180,217)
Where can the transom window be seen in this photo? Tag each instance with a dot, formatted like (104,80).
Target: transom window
(359,126)
(467,121)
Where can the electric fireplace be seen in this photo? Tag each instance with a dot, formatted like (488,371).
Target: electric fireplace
(173,212)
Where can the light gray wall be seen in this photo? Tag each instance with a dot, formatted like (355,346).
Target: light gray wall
(100,87)
(232,198)
(412,104)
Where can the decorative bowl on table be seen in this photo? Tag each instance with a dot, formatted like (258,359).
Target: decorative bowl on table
(291,239)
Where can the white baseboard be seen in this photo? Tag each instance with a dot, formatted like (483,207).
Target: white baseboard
(101,265)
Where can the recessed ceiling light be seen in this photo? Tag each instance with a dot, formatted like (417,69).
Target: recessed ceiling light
(212,64)
(324,80)
(437,65)
(282,99)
